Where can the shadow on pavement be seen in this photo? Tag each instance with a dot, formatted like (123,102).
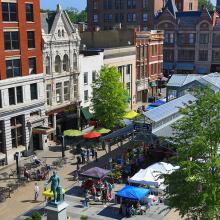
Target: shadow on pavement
(31,201)
(110,212)
(75,191)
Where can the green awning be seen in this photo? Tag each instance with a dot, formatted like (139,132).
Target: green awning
(86,113)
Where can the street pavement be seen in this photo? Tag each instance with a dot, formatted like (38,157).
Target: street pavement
(22,203)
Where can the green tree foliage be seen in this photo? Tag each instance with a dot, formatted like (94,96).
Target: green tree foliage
(194,189)
(77,16)
(36,216)
(110,99)
(207,3)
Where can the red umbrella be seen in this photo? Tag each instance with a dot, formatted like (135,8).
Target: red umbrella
(92,134)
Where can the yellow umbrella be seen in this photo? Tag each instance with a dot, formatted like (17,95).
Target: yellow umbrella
(49,194)
(131,115)
(102,130)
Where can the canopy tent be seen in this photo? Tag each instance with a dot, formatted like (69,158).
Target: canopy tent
(72,133)
(131,115)
(132,193)
(102,130)
(92,135)
(119,133)
(86,113)
(158,103)
(149,107)
(95,172)
(151,175)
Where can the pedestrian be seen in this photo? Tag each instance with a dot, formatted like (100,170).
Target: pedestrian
(77,167)
(96,156)
(83,156)
(110,191)
(93,192)
(93,153)
(87,154)
(86,195)
(36,191)
(78,159)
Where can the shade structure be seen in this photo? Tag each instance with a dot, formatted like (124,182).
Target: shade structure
(72,133)
(132,193)
(92,135)
(158,103)
(102,130)
(131,115)
(151,175)
(95,172)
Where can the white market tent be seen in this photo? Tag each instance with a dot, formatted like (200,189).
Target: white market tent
(151,175)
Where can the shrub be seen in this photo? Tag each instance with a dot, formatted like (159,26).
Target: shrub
(83,217)
(36,216)
(28,218)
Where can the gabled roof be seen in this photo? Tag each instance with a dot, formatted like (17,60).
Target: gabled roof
(179,80)
(171,6)
(169,108)
(47,20)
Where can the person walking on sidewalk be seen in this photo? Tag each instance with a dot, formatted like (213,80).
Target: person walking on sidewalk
(87,154)
(36,191)
(83,156)
(96,156)
(93,153)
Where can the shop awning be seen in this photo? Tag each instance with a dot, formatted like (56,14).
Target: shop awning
(168,66)
(43,130)
(202,70)
(86,113)
(184,66)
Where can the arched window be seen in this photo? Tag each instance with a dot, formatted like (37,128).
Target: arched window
(65,63)
(59,33)
(74,61)
(63,33)
(47,65)
(57,64)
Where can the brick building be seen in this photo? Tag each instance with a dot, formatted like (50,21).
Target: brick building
(22,111)
(111,14)
(107,14)
(191,40)
(149,65)
(148,47)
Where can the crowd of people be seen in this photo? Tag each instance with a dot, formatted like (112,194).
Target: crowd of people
(130,208)
(99,191)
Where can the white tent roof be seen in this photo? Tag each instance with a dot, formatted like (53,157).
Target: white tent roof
(151,175)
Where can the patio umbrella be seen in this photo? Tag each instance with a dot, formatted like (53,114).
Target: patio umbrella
(72,133)
(131,115)
(102,130)
(92,135)
(95,172)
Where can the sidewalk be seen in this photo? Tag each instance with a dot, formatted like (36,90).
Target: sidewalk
(22,200)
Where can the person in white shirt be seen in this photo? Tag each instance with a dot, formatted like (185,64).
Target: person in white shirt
(36,191)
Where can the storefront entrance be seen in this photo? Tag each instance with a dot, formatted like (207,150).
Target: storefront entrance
(36,142)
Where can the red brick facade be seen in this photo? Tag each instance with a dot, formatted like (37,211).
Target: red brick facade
(187,5)
(22,26)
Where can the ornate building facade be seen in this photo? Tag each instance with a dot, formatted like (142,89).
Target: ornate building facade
(61,43)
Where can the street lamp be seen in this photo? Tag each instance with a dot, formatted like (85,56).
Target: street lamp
(63,146)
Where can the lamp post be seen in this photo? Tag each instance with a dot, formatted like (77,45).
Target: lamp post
(79,115)
(17,163)
(63,146)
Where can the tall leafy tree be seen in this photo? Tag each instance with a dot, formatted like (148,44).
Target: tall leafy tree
(77,16)
(194,189)
(110,99)
(206,3)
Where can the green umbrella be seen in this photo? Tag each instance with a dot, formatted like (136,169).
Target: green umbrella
(103,130)
(72,133)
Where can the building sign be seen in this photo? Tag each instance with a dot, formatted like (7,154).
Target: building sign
(143,127)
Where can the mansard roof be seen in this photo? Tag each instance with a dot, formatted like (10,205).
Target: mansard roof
(171,6)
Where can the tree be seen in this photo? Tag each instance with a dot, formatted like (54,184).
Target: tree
(110,99)
(76,16)
(194,189)
(207,3)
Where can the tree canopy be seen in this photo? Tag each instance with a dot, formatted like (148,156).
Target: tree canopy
(207,3)
(110,99)
(194,189)
(77,16)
